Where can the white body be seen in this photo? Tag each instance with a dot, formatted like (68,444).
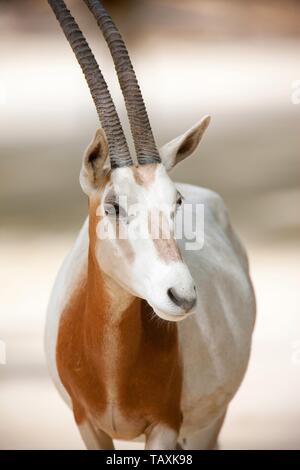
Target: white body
(214,342)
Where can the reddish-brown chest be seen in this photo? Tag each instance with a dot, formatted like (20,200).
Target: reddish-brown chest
(126,371)
(121,370)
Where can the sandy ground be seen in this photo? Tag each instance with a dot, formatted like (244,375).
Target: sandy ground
(265,414)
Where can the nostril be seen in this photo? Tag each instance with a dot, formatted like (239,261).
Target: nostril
(182,302)
(173,296)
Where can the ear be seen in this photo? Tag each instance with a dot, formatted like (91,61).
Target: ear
(93,161)
(183,146)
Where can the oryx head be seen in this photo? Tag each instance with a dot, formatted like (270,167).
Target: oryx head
(132,201)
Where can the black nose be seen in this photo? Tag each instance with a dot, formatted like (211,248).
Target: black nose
(182,302)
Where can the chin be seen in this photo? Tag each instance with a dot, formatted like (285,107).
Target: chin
(172,317)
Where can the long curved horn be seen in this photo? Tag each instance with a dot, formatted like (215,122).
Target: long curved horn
(144,142)
(118,148)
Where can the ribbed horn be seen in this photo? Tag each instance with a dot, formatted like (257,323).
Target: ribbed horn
(117,145)
(144,142)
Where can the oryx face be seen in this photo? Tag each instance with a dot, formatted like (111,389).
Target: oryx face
(135,209)
(136,244)
(132,204)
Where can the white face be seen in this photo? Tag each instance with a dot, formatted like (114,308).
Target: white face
(135,244)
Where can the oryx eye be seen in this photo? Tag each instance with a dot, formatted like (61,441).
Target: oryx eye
(117,209)
(113,209)
(111,205)
(179,200)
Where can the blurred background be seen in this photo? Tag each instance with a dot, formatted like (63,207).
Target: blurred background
(238,61)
